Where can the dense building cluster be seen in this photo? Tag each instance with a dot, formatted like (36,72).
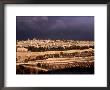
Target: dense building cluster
(54,56)
(50,45)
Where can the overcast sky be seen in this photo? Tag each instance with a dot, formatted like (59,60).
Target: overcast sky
(55,27)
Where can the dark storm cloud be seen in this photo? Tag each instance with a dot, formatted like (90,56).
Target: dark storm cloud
(55,27)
